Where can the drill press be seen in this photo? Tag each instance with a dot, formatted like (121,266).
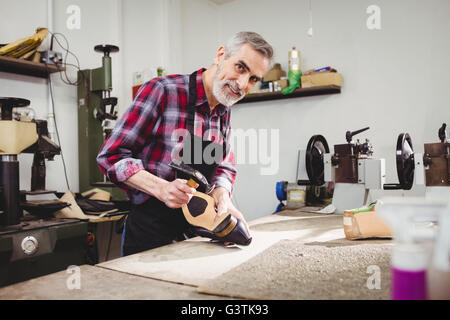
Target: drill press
(95,121)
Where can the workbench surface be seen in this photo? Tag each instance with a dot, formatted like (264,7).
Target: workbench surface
(176,271)
(97,283)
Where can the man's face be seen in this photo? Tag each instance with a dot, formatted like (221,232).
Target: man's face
(237,74)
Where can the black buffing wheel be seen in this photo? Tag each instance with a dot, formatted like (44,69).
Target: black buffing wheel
(405,161)
(317,147)
(15,102)
(8,103)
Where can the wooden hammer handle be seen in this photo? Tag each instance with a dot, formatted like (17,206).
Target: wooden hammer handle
(191,183)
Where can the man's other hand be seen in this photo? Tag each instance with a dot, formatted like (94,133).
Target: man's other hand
(224,205)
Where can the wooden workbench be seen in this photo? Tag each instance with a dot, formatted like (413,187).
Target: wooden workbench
(176,271)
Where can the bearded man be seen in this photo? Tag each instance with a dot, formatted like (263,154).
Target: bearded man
(137,153)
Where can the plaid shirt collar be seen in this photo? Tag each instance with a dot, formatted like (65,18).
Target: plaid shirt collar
(202,101)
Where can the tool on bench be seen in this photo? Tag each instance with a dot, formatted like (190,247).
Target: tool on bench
(437,160)
(355,171)
(435,167)
(200,212)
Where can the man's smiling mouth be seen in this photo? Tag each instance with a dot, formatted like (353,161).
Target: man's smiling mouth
(235,93)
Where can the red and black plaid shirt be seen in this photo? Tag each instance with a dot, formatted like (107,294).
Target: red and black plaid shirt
(143,137)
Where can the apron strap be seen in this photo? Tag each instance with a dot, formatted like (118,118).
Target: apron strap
(191,105)
(191,108)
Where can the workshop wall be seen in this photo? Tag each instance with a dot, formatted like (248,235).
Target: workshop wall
(395,80)
(144,39)
(201,27)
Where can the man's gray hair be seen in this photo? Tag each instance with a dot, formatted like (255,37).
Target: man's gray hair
(254,40)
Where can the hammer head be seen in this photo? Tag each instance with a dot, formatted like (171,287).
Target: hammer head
(193,174)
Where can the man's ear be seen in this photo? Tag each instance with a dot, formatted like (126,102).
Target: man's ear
(220,55)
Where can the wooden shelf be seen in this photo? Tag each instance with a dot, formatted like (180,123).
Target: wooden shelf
(300,92)
(29,68)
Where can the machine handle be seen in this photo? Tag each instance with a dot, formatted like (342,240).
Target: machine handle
(442,133)
(392,186)
(349,134)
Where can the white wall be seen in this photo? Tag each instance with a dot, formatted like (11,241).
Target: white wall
(143,35)
(201,29)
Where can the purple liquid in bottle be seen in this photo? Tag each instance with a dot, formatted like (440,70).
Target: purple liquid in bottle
(408,285)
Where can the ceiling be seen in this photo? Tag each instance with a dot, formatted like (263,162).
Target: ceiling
(221,1)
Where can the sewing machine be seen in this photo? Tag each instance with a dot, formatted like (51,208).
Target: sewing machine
(31,245)
(436,162)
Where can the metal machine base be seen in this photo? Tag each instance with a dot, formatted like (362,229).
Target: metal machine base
(39,247)
(349,196)
(438,193)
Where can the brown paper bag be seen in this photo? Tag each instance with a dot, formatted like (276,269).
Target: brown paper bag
(365,225)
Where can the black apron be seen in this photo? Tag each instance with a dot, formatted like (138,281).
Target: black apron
(152,224)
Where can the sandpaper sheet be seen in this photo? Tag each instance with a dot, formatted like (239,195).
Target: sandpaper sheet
(293,269)
(197,261)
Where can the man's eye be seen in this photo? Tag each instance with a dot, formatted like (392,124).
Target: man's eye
(239,67)
(254,79)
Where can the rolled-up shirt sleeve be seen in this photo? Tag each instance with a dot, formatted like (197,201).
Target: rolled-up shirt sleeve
(226,171)
(116,158)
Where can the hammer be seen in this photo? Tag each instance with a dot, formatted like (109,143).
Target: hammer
(200,211)
(195,176)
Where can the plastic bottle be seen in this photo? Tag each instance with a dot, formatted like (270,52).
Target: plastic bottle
(294,73)
(439,271)
(409,272)
(413,232)
(294,59)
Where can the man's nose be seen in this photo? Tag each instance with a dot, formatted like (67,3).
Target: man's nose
(243,82)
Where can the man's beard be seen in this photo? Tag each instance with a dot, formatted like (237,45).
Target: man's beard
(221,92)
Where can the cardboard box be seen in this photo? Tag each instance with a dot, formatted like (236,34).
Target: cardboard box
(282,83)
(363,225)
(274,74)
(322,79)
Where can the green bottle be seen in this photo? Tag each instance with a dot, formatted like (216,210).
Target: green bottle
(294,73)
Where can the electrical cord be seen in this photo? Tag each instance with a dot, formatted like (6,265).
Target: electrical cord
(67,52)
(56,125)
(66,81)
